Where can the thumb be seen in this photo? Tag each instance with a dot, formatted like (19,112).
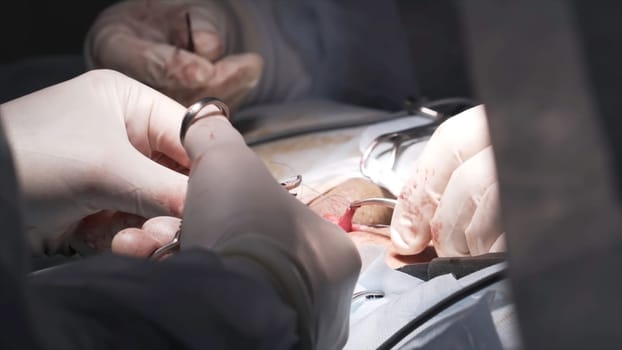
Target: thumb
(215,131)
(208,44)
(140,186)
(234,77)
(142,242)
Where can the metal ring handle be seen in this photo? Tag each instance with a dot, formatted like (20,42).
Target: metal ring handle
(169,247)
(193,111)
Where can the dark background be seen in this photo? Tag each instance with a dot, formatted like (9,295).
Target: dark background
(42,42)
(36,27)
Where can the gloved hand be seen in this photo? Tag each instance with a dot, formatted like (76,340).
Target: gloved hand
(148,41)
(249,214)
(89,146)
(234,206)
(453,195)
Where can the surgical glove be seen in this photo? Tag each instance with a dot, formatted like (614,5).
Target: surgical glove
(453,196)
(235,207)
(87,146)
(148,40)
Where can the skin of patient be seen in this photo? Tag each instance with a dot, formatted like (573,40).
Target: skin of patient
(335,202)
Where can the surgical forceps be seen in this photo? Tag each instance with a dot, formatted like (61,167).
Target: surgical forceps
(291,183)
(398,138)
(385,202)
(173,246)
(190,47)
(169,247)
(368,294)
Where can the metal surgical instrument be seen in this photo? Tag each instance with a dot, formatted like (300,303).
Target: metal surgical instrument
(346,220)
(397,139)
(368,294)
(291,183)
(192,113)
(385,202)
(190,46)
(169,247)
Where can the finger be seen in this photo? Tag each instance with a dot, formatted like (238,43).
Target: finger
(454,142)
(152,121)
(485,228)
(233,79)
(159,65)
(155,233)
(138,185)
(499,245)
(227,172)
(134,242)
(467,187)
(210,131)
(235,76)
(208,44)
(162,228)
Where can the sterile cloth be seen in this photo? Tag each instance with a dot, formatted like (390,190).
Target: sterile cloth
(326,159)
(484,320)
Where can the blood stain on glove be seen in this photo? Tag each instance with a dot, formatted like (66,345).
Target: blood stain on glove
(414,212)
(435,228)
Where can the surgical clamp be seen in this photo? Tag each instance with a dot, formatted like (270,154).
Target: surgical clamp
(385,202)
(398,138)
(368,294)
(169,247)
(292,182)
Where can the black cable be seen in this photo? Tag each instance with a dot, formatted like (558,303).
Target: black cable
(441,306)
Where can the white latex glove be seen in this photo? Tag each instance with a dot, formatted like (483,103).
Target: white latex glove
(147,40)
(88,145)
(453,195)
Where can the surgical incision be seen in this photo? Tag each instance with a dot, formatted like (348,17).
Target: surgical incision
(335,203)
(331,205)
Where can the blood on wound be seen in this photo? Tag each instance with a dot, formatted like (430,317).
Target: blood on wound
(344,221)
